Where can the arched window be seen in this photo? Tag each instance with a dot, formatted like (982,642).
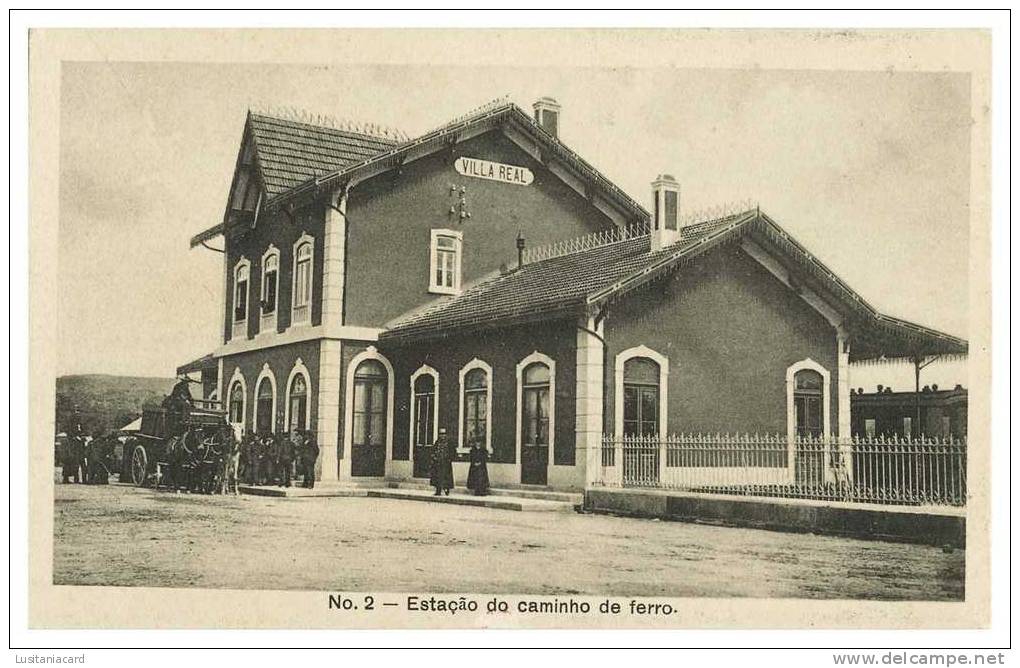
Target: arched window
(302,279)
(641,380)
(808,386)
(264,406)
(476,408)
(270,281)
(535,399)
(424,410)
(236,403)
(241,276)
(297,403)
(640,397)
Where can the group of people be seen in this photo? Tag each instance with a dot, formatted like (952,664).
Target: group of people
(441,471)
(85,459)
(273,459)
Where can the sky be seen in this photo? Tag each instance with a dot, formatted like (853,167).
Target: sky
(868,170)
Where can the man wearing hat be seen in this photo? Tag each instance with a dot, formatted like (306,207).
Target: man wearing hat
(442,465)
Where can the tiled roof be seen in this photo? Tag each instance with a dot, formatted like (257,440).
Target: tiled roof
(496,115)
(291,152)
(541,288)
(572,283)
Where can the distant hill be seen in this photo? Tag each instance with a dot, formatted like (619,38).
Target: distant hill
(106,402)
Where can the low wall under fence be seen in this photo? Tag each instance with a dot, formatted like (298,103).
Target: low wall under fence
(871,470)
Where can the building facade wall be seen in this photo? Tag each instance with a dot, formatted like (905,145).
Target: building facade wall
(391,215)
(502,350)
(278,229)
(730,331)
(281,361)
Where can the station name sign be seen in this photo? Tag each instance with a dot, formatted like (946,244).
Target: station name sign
(494,171)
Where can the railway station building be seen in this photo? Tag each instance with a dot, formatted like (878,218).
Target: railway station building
(486,279)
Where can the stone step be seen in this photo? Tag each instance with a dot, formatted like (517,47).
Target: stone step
(299,492)
(502,501)
(457,498)
(575,498)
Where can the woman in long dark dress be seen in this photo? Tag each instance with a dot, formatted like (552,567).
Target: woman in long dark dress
(441,476)
(478,473)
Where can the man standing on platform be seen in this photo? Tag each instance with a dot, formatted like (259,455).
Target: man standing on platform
(442,465)
(308,453)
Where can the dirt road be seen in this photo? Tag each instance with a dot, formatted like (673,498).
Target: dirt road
(117,535)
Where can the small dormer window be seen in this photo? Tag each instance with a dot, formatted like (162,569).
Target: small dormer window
(445,262)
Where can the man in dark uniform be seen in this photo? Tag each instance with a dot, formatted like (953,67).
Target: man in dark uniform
(442,464)
(249,455)
(309,450)
(267,459)
(284,458)
(77,440)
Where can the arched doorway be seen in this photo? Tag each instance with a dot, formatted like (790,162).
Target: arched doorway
(369,428)
(536,425)
(423,426)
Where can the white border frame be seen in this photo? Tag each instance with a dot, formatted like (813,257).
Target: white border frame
(274,317)
(470,366)
(299,369)
(423,370)
(523,364)
(434,287)
(621,359)
(265,373)
(238,377)
(370,353)
(307,308)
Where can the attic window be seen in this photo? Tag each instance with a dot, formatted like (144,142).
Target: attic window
(445,262)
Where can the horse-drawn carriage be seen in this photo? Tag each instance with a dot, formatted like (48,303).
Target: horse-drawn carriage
(184,444)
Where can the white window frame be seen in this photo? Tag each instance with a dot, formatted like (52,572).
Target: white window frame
(299,369)
(302,314)
(424,370)
(239,328)
(268,322)
(620,361)
(458,237)
(470,366)
(238,378)
(518,408)
(791,414)
(265,373)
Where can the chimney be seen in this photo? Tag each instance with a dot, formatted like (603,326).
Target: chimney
(665,211)
(547,115)
(520,249)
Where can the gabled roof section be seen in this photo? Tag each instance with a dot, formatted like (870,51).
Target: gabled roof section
(586,281)
(282,150)
(498,115)
(291,152)
(298,160)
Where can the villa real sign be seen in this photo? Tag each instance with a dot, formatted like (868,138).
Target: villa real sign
(494,171)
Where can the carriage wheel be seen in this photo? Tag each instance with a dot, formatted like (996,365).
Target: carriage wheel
(139,465)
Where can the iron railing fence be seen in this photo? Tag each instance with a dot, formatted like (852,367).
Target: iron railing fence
(885,470)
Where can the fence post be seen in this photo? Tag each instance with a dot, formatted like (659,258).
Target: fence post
(662,462)
(618,461)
